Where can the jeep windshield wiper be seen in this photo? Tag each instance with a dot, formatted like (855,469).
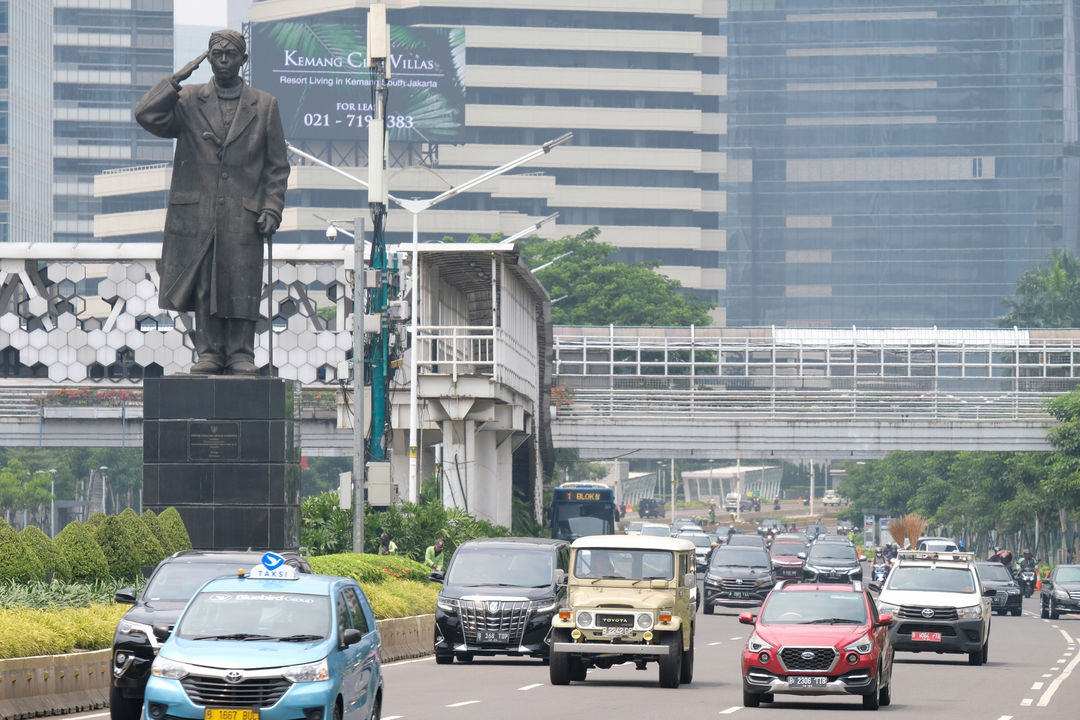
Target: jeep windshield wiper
(236,636)
(299,638)
(609,577)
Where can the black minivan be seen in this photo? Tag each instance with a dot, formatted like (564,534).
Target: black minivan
(498,598)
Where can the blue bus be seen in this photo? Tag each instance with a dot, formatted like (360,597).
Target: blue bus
(583,508)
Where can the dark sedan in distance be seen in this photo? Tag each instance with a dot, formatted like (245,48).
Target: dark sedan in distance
(1007,599)
(1061,592)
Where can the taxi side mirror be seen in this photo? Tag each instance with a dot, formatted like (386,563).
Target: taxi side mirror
(162,632)
(125,596)
(884,620)
(437,576)
(747,618)
(351,636)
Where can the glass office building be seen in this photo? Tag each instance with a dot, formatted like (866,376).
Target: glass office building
(895,162)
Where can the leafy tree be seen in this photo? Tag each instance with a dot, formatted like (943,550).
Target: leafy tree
(22,490)
(149,550)
(17,561)
(325,528)
(83,554)
(52,560)
(588,287)
(1047,297)
(150,519)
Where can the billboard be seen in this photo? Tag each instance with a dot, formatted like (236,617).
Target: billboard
(318,72)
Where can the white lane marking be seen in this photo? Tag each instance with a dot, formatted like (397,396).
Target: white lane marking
(1005,717)
(1056,682)
(1037,686)
(1055,627)
(714,643)
(1046,675)
(463,703)
(1060,661)
(734,708)
(393,717)
(1023,703)
(429,658)
(530,687)
(737,638)
(1068,640)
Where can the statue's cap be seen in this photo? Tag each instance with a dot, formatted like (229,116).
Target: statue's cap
(231,37)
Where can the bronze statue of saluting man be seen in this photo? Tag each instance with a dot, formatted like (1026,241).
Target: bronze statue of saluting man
(230,171)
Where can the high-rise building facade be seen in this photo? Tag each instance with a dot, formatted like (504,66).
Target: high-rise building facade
(895,162)
(70,73)
(636,81)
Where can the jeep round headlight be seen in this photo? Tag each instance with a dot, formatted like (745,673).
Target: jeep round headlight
(644,621)
(584,619)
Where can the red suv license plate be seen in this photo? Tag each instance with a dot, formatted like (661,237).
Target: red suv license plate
(923,636)
(807,681)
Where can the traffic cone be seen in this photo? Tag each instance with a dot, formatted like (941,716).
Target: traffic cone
(1038,581)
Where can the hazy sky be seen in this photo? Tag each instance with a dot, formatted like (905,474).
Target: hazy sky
(200,12)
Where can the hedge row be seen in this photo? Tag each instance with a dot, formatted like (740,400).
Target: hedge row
(395,586)
(104,547)
(25,632)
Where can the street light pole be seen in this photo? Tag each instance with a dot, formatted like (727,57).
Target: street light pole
(52,502)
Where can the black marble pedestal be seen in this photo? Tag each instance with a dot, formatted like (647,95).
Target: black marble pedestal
(225,452)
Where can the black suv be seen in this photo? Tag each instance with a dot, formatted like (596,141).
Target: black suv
(498,598)
(832,562)
(167,591)
(1007,598)
(650,507)
(739,576)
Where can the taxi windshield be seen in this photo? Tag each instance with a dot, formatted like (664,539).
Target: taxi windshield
(597,563)
(822,608)
(256,615)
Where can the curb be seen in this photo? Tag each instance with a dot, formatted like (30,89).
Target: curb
(44,685)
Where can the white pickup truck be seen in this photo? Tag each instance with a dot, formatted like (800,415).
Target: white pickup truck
(830,499)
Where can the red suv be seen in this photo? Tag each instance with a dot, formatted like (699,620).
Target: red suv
(818,639)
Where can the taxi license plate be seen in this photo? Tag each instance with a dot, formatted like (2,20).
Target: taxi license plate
(923,636)
(230,714)
(616,631)
(494,636)
(807,681)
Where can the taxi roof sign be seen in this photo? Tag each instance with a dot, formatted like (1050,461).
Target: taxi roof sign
(273,567)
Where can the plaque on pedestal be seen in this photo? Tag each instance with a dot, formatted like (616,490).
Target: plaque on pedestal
(225,452)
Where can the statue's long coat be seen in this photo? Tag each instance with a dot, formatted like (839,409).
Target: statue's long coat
(222,179)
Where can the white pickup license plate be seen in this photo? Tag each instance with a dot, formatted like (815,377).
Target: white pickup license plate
(810,681)
(923,636)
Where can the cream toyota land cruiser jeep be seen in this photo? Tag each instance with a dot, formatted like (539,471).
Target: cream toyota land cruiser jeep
(630,598)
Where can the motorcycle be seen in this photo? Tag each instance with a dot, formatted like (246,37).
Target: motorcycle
(878,573)
(1027,582)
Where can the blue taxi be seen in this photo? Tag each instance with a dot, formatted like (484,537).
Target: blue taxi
(269,644)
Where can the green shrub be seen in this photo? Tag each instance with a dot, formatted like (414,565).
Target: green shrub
(403,598)
(173,526)
(370,569)
(25,632)
(17,561)
(83,554)
(120,548)
(93,523)
(151,519)
(51,559)
(414,527)
(41,595)
(147,546)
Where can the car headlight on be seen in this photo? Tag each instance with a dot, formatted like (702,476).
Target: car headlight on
(165,668)
(756,644)
(887,608)
(644,621)
(863,646)
(308,672)
(974,611)
(543,606)
(584,619)
(447,605)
